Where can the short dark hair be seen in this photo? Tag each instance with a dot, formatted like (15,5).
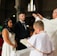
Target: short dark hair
(22,12)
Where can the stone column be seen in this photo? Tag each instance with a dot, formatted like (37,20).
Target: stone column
(17,5)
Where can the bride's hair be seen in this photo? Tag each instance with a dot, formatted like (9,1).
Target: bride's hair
(6,25)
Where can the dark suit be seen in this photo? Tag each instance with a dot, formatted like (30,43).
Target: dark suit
(21,33)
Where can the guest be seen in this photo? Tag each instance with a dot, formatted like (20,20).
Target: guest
(1,40)
(1,30)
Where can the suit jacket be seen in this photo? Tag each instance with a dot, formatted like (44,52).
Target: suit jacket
(21,33)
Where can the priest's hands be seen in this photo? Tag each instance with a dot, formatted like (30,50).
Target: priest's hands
(40,16)
(37,15)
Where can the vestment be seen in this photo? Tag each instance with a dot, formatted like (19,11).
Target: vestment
(51,27)
(42,43)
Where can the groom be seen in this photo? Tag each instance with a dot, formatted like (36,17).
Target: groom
(21,30)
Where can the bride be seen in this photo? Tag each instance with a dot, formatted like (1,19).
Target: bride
(8,35)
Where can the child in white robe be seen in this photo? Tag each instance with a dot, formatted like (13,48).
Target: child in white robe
(39,42)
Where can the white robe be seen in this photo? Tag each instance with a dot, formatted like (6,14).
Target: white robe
(51,28)
(42,43)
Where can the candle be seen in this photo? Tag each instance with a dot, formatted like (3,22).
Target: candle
(34,8)
(31,5)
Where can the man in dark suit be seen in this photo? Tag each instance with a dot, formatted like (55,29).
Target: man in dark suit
(21,30)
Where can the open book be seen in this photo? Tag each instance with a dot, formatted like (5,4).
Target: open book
(24,42)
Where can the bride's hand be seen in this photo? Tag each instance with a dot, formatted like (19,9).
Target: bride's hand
(14,45)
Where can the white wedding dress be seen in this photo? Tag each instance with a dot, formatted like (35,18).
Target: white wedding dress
(7,49)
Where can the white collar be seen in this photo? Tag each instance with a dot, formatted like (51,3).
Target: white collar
(22,21)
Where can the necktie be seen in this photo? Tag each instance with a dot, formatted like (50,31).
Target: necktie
(24,25)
